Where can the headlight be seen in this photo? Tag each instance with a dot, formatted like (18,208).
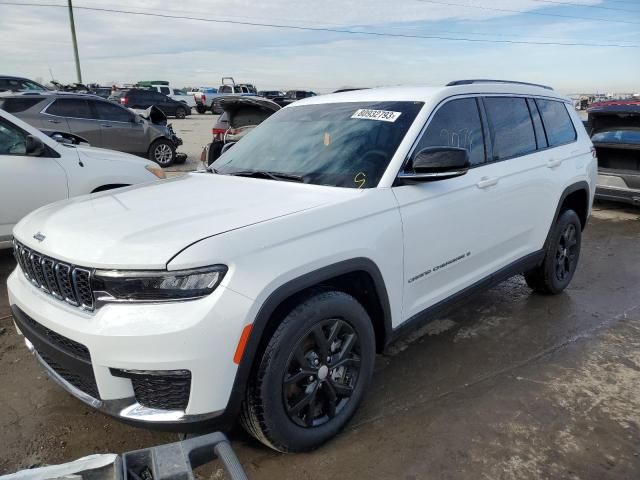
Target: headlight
(156,286)
(157,171)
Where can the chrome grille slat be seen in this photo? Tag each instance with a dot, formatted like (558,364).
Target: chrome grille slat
(63,281)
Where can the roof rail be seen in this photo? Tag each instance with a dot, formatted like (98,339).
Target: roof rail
(485,80)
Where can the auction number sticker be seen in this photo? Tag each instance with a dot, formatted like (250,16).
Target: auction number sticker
(381,115)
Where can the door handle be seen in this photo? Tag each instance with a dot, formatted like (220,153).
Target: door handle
(105,125)
(554,162)
(53,121)
(486,182)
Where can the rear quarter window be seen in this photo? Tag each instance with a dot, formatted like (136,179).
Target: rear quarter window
(557,122)
(16,105)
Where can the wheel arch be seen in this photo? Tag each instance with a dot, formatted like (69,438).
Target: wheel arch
(359,277)
(576,197)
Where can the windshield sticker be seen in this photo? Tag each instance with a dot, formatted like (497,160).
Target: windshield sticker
(381,115)
(360,179)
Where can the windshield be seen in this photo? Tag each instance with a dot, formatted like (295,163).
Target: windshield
(617,136)
(339,144)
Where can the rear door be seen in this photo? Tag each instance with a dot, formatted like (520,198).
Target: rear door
(520,164)
(78,117)
(26,182)
(120,130)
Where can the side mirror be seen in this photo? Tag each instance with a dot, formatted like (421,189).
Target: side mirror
(34,146)
(437,163)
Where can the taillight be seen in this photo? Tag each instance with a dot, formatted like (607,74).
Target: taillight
(204,98)
(218,131)
(124,100)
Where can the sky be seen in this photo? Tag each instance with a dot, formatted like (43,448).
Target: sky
(125,47)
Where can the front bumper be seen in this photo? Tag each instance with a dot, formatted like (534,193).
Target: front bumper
(151,338)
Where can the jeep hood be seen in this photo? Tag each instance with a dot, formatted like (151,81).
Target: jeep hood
(145,226)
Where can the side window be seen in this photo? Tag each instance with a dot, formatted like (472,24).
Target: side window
(13,141)
(557,122)
(114,113)
(165,90)
(225,89)
(70,107)
(541,136)
(457,124)
(19,104)
(511,127)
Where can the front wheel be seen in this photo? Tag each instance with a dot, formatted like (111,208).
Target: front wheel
(561,256)
(163,152)
(181,112)
(312,375)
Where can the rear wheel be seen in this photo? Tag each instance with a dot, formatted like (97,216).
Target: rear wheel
(561,256)
(201,109)
(312,375)
(163,152)
(181,112)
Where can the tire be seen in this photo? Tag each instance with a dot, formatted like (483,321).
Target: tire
(163,152)
(181,112)
(561,256)
(271,411)
(201,109)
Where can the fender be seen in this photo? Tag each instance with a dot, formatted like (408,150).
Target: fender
(282,293)
(581,185)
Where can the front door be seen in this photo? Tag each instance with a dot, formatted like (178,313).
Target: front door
(448,225)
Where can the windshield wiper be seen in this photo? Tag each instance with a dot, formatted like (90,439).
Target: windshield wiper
(269,174)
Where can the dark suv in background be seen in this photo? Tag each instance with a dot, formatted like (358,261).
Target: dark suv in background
(100,122)
(141,99)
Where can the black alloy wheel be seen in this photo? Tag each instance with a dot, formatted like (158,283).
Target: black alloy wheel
(566,253)
(321,373)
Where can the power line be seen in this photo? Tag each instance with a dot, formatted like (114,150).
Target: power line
(325,29)
(543,14)
(335,25)
(600,7)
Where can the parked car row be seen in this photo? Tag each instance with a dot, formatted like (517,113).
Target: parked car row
(99,122)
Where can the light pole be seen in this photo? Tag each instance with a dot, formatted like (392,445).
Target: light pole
(75,42)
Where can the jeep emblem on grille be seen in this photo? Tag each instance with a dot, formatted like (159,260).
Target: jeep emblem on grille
(39,236)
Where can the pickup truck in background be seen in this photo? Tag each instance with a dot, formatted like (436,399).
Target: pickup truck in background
(207,101)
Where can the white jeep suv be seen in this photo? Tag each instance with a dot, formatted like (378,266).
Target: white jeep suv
(336,225)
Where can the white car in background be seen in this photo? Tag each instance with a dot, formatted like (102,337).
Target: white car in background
(37,170)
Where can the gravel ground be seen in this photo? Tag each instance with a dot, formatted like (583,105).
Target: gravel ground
(195,131)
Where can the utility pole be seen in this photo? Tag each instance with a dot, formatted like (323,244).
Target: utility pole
(75,42)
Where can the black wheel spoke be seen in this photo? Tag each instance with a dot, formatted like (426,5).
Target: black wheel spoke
(300,358)
(353,361)
(332,398)
(347,345)
(342,390)
(335,330)
(321,342)
(309,397)
(296,377)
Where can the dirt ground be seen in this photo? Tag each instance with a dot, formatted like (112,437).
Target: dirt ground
(512,385)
